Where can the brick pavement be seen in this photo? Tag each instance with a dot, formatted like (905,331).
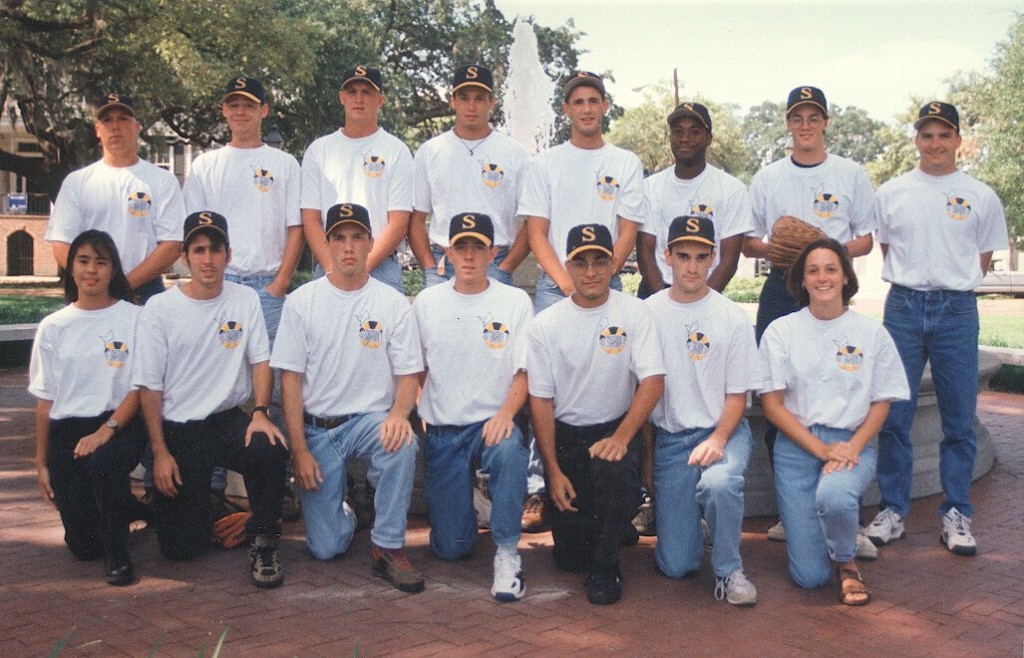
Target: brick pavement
(927,602)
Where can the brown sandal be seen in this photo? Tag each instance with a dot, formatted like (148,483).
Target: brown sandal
(846,591)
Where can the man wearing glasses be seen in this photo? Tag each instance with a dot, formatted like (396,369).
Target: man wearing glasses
(596,373)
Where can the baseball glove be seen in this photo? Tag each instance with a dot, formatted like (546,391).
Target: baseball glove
(789,237)
(229,531)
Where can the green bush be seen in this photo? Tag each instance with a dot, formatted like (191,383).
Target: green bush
(26,309)
(413,281)
(630,283)
(1009,378)
(745,291)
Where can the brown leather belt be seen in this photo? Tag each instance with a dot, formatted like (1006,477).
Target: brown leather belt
(324,423)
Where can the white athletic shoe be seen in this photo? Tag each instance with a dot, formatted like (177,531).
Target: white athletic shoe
(509,583)
(866,550)
(736,589)
(888,525)
(956,533)
(777,532)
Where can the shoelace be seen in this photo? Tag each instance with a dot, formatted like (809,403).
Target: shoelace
(721,584)
(960,525)
(267,558)
(398,559)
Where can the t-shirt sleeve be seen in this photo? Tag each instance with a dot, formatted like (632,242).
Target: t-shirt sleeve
(192,191)
(631,198)
(650,204)
(400,190)
(152,353)
(44,367)
(257,348)
(169,218)
(311,179)
(774,359)
(421,182)
(736,218)
(862,215)
(521,342)
(992,232)
(538,365)
(758,206)
(647,357)
(404,347)
(889,379)
(65,221)
(293,194)
(290,348)
(881,222)
(536,198)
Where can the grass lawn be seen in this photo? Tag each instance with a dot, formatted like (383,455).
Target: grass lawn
(26,309)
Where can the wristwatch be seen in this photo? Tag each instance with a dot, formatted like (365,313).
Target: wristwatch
(112,424)
(264,409)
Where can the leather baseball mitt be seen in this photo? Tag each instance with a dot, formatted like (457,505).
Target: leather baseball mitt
(789,237)
(230,530)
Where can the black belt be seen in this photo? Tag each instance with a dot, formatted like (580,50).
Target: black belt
(324,423)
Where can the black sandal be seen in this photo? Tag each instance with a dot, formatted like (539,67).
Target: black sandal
(845,591)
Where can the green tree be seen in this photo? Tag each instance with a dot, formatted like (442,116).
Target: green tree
(764,132)
(853,134)
(898,154)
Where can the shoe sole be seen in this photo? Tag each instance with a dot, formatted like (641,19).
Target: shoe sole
(508,597)
(122,581)
(268,584)
(878,541)
(408,588)
(966,551)
(742,604)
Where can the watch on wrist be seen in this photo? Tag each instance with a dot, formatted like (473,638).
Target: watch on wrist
(112,424)
(265,409)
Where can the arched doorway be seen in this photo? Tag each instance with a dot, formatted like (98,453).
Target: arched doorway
(20,254)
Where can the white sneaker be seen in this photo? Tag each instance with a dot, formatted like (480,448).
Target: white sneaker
(736,589)
(777,532)
(956,533)
(509,583)
(888,525)
(865,549)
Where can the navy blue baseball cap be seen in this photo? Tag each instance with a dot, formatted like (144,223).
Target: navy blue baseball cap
(588,236)
(364,73)
(939,111)
(807,95)
(347,213)
(204,220)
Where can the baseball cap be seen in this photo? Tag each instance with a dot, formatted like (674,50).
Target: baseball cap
(113,100)
(583,78)
(471,225)
(939,111)
(691,228)
(807,96)
(204,220)
(691,109)
(348,213)
(588,236)
(251,88)
(473,75)
(364,73)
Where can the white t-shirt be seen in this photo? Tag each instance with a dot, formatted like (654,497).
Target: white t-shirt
(570,186)
(349,346)
(82,360)
(836,196)
(198,352)
(831,370)
(709,352)
(373,171)
(450,181)
(257,191)
(589,361)
(936,228)
(712,194)
(138,206)
(473,345)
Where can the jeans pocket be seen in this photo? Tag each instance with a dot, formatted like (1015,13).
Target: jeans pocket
(896,301)
(962,304)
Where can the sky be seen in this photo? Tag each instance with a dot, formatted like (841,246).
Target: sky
(874,54)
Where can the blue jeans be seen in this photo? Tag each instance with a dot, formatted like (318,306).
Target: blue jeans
(548,293)
(683,491)
(330,523)
(449,454)
(940,326)
(821,513)
(389,272)
(432,278)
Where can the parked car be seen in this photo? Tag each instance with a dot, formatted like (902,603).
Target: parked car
(1002,283)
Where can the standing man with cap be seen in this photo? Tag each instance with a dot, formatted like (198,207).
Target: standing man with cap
(256,188)
(695,188)
(203,351)
(138,203)
(584,178)
(470,166)
(349,360)
(703,442)
(830,193)
(360,163)
(596,373)
(473,324)
(938,228)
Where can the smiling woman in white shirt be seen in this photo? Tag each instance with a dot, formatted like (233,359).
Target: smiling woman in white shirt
(86,438)
(830,374)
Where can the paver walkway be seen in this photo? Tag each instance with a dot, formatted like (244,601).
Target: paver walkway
(927,602)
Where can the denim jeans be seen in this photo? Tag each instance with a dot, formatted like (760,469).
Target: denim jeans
(939,326)
(683,491)
(330,523)
(149,289)
(450,456)
(388,271)
(93,494)
(607,498)
(821,513)
(548,293)
(183,522)
(432,278)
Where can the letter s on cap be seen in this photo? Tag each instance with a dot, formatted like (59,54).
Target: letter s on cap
(468,221)
(692,225)
(205,218)
(806,93)
(471,73)
(934,108)
(346,210)
(588,234)
(360,70)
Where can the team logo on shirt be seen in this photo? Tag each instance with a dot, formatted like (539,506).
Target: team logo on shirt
(492,175)
(702,210)
(263,180)
(957,207)
(496,334)
(115,352)
(373,166)
(607,188)
(139,203)
(849,357)
(230,334)
(697,344)
(612,339)
(371,332)
(825,203)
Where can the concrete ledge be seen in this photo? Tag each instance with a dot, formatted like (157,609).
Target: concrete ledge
(14,332)
(1007,356)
